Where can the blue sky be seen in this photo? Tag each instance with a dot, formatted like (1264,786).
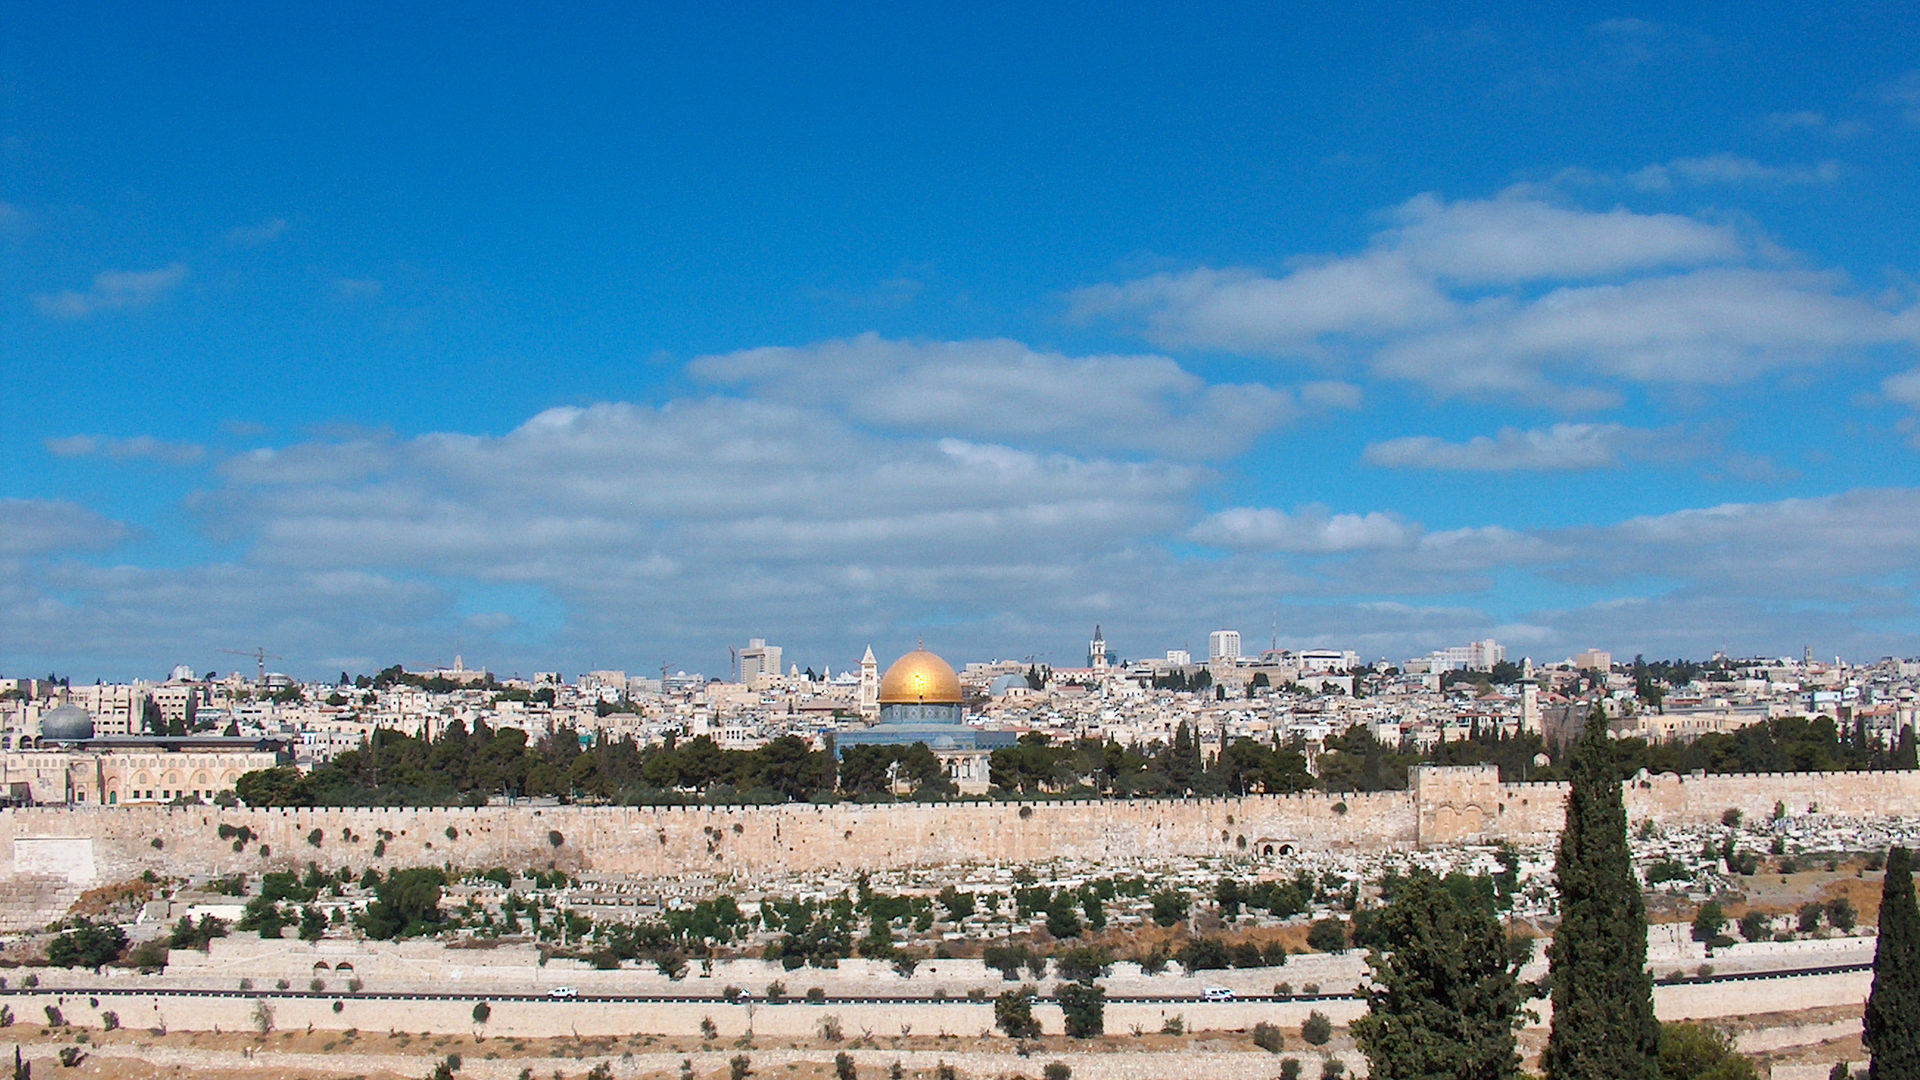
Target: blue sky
(608,338)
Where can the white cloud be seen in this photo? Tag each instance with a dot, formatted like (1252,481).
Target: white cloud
(1731,169)
(1308,530)
(1396,286)
(1005,391)
(139,447)
(1812,120)
(1903,388)
(1520,297)
(580,501)
(36,527)
(1514,240)
(1903,94)
(1717,326)
(1247,310)
(265,232)
(113,290)
(1561,447)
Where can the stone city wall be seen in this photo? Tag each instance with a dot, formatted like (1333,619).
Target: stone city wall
(49,849)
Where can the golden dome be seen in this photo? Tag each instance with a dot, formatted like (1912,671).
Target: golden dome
(920,678)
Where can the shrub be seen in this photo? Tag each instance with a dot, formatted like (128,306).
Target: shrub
(776,992)
(1327,935)
(816,995)
(1204,954)
(55,1018)
(1290,1069)
(109,1020)
(1318,1029)
(1841,915)
(1698,1050)
(481,1012)
(830,1030)
(1332,1069)
(843,1066)
(944,1071)
(71,1056)
(1267,1037)
(739,1066)
(1709,921)
(1174,1025)
(555,839)
(1057,1070)
(708,1029)
(315,837)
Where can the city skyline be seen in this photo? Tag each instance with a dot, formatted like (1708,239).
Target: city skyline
(368,337)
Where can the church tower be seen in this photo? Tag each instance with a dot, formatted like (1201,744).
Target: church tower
(1097,650)
(869,686)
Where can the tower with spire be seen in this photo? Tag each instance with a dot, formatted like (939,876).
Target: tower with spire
(869,686)
(1097,650)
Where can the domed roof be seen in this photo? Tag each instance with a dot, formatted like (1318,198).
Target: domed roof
(66,723)
(920,678)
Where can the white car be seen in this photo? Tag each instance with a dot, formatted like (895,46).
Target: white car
(563,992)
(1216,993)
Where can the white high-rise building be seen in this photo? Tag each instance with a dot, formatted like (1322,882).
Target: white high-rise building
(1223,645)
(759,663)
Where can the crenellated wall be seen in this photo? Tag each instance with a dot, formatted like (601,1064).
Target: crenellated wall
(54,850)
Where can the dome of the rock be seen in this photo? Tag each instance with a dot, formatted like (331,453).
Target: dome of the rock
(920,678)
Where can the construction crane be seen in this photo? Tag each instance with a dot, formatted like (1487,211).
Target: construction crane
(260,658)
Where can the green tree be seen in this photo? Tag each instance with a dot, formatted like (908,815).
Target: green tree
(1603,1023)
(1013,1014)
(1709,922)
(1083,1004)
(405,904)
(1891,1031)
(87,945)
(1444,997)
(282,785)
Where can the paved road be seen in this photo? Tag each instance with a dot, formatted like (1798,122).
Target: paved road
(122,990)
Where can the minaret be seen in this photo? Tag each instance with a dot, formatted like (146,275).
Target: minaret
(869,686)
(1097,650)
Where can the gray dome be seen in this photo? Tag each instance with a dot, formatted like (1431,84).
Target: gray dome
(66,723)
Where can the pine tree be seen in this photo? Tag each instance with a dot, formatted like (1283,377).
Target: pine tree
(1603,1023)
(1444,999)
(1891,1031)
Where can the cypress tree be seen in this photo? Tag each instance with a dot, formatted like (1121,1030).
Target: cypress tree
(1444,997)
(1603,1023)
(1891,1031)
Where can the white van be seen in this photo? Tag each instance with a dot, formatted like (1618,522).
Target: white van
(1216,993)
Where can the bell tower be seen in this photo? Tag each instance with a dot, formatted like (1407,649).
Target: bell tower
(869,686)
